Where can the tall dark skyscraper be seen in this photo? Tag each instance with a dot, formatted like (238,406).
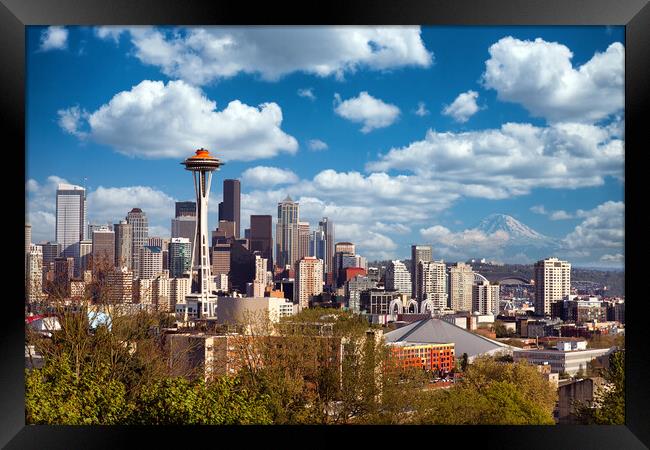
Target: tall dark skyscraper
(327,227)
(123,244)
(418,253)
(185,209)
(261,237)
(229,209)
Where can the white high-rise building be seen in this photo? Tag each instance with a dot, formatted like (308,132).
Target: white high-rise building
(461,282)
(485,298)
(28,237)
(432,283)
(398,278)
(150,262)
(309,281)
(34,275)
(71,220)
(552,283)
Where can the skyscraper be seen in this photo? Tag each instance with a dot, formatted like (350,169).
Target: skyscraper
(150,261)
(180,250)
(103,249)
(418,253)
(461,282)
(341,251)
(398,278)
(327,227)
(123,244)
(485,298)
(184,227)
(85,255)
(185,209)
(28,237)
(71,220)
(34,273)
(230,208)
(432,283)
(262,237)
(51,250)
(552,283)
(317,245)
(140,224)
(309,280)
(287,232)
(303,239)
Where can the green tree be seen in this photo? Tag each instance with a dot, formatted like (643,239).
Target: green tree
(57,394)
(608,406)
(178,401)
(491,392)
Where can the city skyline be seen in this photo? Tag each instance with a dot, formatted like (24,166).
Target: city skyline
(323,123)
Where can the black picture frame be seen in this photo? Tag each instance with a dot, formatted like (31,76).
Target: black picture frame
(633,14)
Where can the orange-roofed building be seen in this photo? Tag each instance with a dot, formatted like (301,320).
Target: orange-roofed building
(351,272)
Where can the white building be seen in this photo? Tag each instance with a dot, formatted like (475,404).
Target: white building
(398,278)
(252,309)
(150,261)
(34,266)
(221,282)
(71,220)
(432,280)
(568,358)
(461,282)
(485,297)
(552,283)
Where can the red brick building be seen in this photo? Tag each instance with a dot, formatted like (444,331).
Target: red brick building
(427,356)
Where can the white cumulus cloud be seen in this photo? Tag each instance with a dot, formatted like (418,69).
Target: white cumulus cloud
(512,160)
(158,120)
(317,145)
(54,38)
(366,109)
(307,93)
(450,245)
(463,107)
(603,229)
(539,75)
(200,55)
(422,110)
(268,176)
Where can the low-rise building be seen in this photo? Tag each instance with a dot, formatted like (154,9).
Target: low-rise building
(565,358)
(422,355)
(243,309)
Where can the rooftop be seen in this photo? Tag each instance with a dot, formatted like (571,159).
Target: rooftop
(438,331)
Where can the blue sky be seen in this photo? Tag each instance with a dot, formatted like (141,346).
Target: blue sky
(420,132)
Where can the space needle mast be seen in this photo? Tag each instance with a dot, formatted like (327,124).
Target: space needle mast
(201,302)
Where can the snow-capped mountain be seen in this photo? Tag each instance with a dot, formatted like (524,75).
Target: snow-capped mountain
(518,233)
(524,245)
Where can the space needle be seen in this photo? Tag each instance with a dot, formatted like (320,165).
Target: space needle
(200,302)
